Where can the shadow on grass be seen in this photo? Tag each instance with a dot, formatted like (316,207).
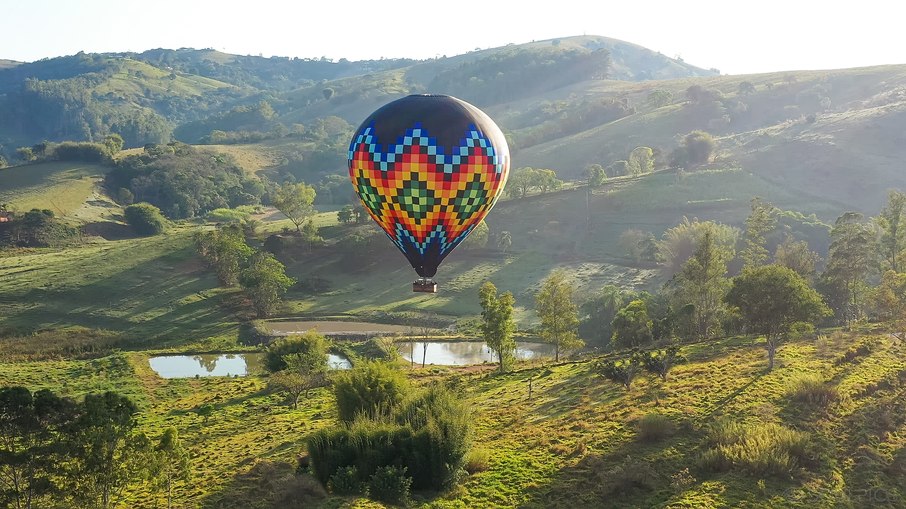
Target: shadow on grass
(265,485)
(163,298)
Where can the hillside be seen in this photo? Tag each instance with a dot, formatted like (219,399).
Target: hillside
(577,441)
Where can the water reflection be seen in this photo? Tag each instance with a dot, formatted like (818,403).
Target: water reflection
(228,364)
(462,353)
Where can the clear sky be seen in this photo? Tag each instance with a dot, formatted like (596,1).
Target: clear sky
(736,37)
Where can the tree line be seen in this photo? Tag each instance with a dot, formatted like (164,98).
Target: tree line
(59,452)
(774,297)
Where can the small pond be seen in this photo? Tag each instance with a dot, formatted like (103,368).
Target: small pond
(462,353)
(226,364)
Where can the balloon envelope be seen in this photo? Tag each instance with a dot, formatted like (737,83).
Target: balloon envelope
(428,168)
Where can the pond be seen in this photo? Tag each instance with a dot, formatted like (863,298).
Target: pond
(463,353)
(225,364)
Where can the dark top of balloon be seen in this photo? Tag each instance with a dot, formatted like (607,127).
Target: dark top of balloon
(445,118)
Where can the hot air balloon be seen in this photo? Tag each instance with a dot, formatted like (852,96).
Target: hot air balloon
(428,168)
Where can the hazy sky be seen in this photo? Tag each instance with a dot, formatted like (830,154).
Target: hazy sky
(734,36)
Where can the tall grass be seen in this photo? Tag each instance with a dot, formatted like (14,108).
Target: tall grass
(759,449)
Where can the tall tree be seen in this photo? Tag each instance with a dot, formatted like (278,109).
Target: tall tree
(701,285)
(892,221)
(295,201)
(30,439)
(851,258)
(598,313)
(109,453)
(796,255)
(265,281)
(771,299)
(559,315)
(170,464)
(641,160)
(497,324)
(632,326)
(226,251)
(890,301)
(761,221)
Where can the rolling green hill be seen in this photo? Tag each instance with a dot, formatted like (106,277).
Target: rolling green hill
(58,186)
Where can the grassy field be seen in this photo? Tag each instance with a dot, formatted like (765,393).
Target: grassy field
(60,186)
(574,443)
(153,289)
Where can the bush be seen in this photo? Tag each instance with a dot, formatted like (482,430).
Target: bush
(345,481)
(390,485)
(370,388)
(654,427)
(812,390)
(765,449)
(145,219)
(307,351)
(429,435)
(477,460)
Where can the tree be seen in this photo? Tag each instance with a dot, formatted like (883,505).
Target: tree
(660,362)
(31,427)
(170,464)
(892,222)
(109,453)
(311,235)
(346,214)
(761,221)
(701,285)
(618,168)
(497,324)
(623,371)
(770,299)
(641,160)
(295,201)
(639,245)
(114,143)
(796,255)
(632,326)
(699,147)
(293,383)
(145,219)
(746,88)
(678,243)
(504,241)
(595,175)
(265,281)
(226,251)
(306,352)
(558,313)
(851,258)
(521,181)
(25,154)
(478,238)
(328,93)
(890,301)
(600,311)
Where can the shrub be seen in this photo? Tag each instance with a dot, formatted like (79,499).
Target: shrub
(477,460)
(370,388)
(345,481)
(812,390)
(306,352)
(390,485)
(654,427)
(765,449)
(145,219)
(629,475)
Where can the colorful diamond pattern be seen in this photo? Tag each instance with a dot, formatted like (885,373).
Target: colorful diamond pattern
(422,193)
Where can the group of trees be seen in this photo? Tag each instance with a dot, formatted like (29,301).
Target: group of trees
(101,152)
(35,228)
(260,275)
(772,297)
(557,311)
(524,180)
(82,452)
(182,181)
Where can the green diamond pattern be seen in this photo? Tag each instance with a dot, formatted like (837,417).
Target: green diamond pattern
(416,200)
(370,195)
(469,200)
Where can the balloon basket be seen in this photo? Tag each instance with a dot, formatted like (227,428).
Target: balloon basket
(424,286)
